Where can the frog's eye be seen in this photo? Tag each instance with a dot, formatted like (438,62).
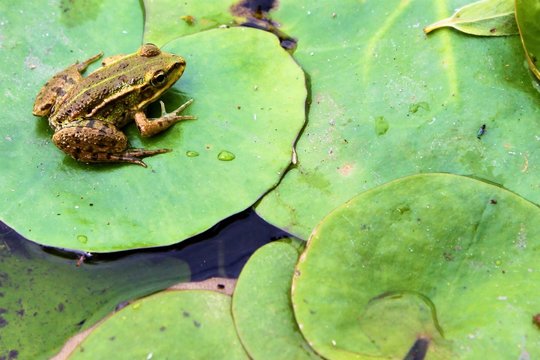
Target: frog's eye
(158,78)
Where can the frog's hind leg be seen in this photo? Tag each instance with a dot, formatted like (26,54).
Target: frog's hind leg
(99,141)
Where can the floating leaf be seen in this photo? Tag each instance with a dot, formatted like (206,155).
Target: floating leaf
(262,306)
(434,258)
(528,19)
(386,102)
(191,324)
(250,104)
(484,18)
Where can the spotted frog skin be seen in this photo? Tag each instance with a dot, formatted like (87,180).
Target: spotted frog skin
(86,113)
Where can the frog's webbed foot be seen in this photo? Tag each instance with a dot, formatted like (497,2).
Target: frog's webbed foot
(99,141)
(149,127)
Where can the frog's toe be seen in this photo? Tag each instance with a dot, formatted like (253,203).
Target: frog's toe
(134,156)
(131,156)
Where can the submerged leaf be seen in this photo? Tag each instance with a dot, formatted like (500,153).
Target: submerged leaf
(483,18)
(528,20)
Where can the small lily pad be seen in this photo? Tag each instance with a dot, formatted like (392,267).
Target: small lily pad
(262,306)
(435,258)
(191,324)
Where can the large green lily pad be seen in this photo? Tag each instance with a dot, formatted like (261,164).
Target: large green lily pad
(192,324)
(249,99)
(262,305)
(45,299)
(437,258)
(387,101)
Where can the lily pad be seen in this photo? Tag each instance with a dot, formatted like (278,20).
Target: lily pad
(528,16)
(387,101)
(483,18)
(262,306)
(249,99)
(434,258)
(44,300)
(192,324)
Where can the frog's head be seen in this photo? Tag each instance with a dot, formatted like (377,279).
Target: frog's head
(162,70)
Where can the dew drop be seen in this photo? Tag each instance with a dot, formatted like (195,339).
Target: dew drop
(83,239)
(226,156)
(191,153)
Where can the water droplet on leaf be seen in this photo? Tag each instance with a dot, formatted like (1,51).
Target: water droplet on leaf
(83,239)
(226,156)
(381,125)
(192,153)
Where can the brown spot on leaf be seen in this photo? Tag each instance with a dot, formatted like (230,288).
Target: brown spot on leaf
(536,320)
(346,169)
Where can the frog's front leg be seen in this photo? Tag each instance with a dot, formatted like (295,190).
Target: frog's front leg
(58,86)
(148,127)
(98,141)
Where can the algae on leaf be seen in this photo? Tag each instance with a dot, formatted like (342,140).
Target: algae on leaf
(484,18)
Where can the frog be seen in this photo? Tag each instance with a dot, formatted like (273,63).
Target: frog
(87,114)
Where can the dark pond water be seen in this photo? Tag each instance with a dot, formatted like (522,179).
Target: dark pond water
(45,297)
(220,251)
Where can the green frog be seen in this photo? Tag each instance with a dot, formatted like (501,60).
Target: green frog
(86,113)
